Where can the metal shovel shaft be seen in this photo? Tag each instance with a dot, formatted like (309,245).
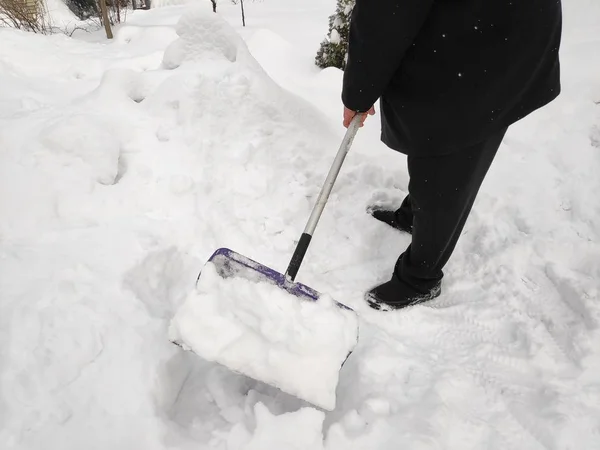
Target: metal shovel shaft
(311,225)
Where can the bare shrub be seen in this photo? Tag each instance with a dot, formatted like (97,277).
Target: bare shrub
(28,15)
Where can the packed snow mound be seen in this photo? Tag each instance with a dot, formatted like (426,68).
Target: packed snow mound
(203,36)
(259,329)
(240,123)
(229,82)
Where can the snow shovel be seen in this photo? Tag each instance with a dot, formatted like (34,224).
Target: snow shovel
(246,317)
(229,263)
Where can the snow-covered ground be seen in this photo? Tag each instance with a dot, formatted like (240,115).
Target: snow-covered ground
(124,164)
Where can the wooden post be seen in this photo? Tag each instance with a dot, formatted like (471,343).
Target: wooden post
(109,34)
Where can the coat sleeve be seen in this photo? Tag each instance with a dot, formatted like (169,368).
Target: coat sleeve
(380,33)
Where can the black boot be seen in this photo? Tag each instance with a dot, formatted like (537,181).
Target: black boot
(391,218)
(396,294)
(404,289)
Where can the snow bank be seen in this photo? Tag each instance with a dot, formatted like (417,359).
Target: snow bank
(262,331)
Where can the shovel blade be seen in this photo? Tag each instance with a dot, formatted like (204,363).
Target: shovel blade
(232,264)
(288,356)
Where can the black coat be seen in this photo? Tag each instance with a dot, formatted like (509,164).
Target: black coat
(450,73)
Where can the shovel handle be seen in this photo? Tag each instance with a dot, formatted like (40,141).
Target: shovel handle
(306,237)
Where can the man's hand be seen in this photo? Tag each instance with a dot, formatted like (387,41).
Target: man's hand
(349,115)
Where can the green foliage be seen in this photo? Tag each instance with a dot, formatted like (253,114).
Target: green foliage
(334,48)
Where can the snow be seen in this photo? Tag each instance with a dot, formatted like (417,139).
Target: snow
(125,164)
(59,14)
(281,431)
(334,37)
(258,329)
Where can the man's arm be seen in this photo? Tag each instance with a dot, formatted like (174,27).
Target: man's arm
(380,33)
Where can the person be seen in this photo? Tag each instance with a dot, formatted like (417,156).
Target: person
(451,76)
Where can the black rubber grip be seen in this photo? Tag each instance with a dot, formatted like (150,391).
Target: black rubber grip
(298,256)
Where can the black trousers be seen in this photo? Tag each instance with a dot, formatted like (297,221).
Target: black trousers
(442,190)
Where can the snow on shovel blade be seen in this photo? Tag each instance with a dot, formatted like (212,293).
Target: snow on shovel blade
(252,320)
(230,263)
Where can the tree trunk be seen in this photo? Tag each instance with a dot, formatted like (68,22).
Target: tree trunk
(214,3)
(243,16)
(109,34)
